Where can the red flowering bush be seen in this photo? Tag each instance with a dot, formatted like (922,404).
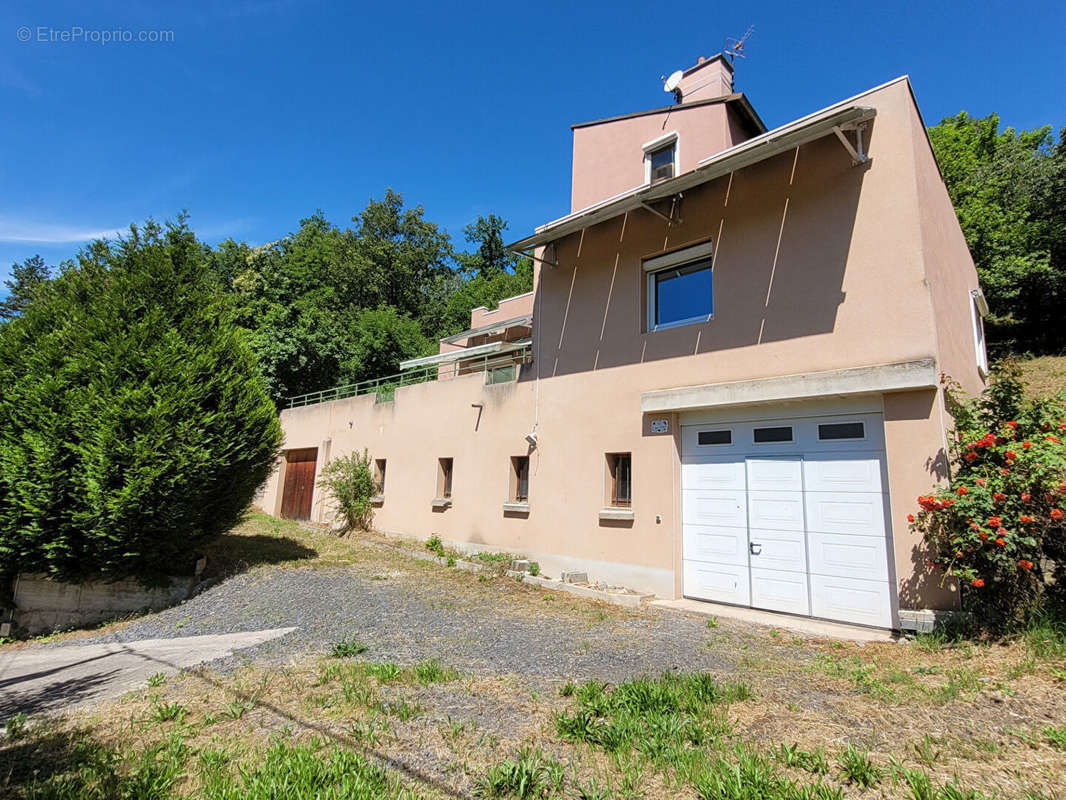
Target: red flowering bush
(998,528)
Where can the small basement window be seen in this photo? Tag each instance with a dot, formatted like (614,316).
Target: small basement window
(832,431)
(776,434)
(620,479)
(714,437)
(379,475)
(520,479)
(444,477)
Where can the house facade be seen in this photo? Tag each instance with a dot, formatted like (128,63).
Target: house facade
(725,383)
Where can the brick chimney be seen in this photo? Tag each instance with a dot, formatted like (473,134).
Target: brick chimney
(710,77)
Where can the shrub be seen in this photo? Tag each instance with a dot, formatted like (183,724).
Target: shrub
(134,425)
(1000,521)
(350,481)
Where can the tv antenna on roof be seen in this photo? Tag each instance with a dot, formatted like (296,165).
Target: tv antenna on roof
(735,47)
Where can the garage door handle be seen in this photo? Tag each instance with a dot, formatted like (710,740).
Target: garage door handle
(755,548)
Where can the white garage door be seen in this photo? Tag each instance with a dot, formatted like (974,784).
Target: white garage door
(788,515)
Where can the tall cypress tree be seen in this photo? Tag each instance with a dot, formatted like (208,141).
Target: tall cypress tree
(134,424)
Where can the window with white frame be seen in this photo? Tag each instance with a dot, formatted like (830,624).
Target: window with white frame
(680,288)
(660,158)
(978,310)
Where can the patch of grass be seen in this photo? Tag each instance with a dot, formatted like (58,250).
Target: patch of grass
(431,671)
(347,648)
(861,675)
(856,767)
(530,774)
(15,726)
(1056,736)
(435,546)
(157,680)
(300,772)
(236,709)
(712,622)
(813,761)
(1044,376)
(534,568)
(385,672)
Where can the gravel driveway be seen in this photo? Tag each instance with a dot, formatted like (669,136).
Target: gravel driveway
(488,628)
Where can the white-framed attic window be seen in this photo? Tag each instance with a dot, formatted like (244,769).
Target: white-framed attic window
(978,311)
(661,160)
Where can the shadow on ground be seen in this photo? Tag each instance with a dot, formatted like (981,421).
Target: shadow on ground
(232,552)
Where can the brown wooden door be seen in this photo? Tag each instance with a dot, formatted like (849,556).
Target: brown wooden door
(299,483)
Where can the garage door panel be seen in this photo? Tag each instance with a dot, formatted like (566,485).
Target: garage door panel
(717,544)
(775,474)
(854,513)
(778,590)
(720,583)
(785,550)
(851,600)
(835,473)
(713,475)
(776,510)
(714,508)
(847,556)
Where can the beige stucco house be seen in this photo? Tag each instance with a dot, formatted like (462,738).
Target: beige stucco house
(725,383)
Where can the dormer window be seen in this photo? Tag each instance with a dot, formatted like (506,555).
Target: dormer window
(660,158)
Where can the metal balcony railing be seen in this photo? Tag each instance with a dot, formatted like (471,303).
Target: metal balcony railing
(501,367)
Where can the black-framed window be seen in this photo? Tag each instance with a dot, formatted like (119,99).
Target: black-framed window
(715,437)
(778,433)
(620,470)
(661,163)
(835,431)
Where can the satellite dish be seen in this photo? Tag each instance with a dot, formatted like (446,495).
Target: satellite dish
(671,83)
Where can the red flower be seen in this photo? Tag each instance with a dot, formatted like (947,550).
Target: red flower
(1001,542)
(983,536)
(971,456)
(975,526)
(1001,531)
(1026,445)
(910,518)
(1004,471)
(1026,497)
(999,497)
(1010,454)
(1052,439)
(1025,519)
(1025,564)
(1012,424)
(1056,513)
(981,482)
(962,490)
(978,582)
(994,522)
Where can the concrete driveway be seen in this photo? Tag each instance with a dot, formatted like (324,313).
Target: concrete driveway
(39,679)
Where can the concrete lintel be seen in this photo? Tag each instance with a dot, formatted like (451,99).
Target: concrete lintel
(897,377)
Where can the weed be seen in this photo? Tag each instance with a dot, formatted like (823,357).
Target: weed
(1056,736)
(156,680)
(369,731)
(432,672)
(449,560)
(237,708)
(926,752)
(568,689)
(712,622)
(385,672)
(529,775)
(168,712)
(347,648)
(534,568)
(813,761)
(856,767)
(435,545)
(402,710)
(15,726)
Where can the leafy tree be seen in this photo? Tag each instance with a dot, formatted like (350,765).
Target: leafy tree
(380,339)
(490,258)
(1009,191)
(134,425)
(25,282)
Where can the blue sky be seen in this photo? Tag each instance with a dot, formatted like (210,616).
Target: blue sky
(260,111)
